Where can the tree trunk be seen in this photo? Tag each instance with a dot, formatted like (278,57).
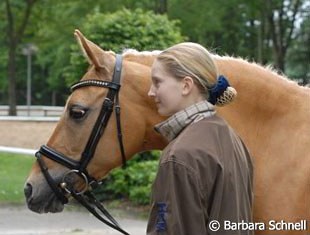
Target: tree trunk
(54,95)
(280,59)
(161,6)
(15,35)
(281,27)
(11,69)
(260,43)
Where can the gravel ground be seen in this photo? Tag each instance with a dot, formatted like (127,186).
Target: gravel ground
(25,134)
(18,220)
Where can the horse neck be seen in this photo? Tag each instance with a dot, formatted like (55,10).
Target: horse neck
(262,96)
(259,87)
(138,82)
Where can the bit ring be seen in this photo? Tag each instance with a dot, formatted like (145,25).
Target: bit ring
(64,184)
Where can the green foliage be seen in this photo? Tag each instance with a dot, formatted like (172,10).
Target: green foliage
(131,29)
(13,172)
(3,74)
(223,26)
(121,30)
(298,65)
(235,27)
(134,182)
(53,30)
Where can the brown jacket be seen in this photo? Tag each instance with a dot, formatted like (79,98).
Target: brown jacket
(204,174)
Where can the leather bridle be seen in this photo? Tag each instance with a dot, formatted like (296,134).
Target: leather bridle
(85,196)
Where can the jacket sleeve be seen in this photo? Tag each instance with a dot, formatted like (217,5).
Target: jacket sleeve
(177,204)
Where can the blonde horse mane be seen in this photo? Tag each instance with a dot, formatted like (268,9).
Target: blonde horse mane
(141,57)
(147,58)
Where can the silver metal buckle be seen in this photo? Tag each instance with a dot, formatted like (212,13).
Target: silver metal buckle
(64,184)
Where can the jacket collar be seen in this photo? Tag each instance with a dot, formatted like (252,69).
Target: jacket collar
(174,125)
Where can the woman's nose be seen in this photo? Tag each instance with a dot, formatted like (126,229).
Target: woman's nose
(151,92)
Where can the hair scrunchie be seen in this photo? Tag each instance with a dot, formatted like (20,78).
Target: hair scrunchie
(218,89)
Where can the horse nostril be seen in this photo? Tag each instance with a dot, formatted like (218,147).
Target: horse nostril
(28,190)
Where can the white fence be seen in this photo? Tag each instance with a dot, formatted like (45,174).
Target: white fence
(29,119)
(34,110)
(23,151)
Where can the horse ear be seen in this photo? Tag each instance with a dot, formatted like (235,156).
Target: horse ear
(90,50)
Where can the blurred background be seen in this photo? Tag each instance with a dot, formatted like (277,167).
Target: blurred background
(40,58)
(37,35)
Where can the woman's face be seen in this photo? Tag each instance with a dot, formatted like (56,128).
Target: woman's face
(166,90)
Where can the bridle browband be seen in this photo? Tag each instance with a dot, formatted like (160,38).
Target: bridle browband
(86,197)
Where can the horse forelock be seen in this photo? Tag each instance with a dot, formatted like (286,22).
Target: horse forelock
(130,51)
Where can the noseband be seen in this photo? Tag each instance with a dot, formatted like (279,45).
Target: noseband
(85,197)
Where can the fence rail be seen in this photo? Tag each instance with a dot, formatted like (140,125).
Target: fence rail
(34,110)
(29,119)
(23,151)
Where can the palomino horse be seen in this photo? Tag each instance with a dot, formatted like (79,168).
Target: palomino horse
(271,114)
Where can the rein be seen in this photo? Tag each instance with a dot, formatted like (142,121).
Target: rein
(85,197)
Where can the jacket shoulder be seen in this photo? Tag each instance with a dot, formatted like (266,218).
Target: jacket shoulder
(198,142)
(207,134)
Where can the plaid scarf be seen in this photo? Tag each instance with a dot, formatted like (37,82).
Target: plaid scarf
(174,125)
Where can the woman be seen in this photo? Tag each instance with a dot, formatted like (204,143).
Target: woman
(205,174)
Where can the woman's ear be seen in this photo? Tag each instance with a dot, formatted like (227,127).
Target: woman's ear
(187,86)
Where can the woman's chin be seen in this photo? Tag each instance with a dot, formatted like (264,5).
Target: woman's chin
(164,112)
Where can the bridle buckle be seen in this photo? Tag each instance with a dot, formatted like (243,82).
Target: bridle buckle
(65,182)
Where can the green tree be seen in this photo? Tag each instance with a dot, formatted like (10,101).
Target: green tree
(282,16)
(236,27)
(228,27)
(258,30)
(17,19)
(298,62)
(53,33)
(121,30)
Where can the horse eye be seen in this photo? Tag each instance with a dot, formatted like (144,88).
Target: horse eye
(77,113)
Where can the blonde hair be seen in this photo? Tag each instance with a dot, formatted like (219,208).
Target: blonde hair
(193,60)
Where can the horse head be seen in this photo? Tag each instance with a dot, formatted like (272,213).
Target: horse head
(71,135)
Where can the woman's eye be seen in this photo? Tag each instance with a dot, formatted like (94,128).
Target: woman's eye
(156,83)
(77,113)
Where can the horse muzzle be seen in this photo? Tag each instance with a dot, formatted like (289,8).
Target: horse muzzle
(50,190)
(40,198)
